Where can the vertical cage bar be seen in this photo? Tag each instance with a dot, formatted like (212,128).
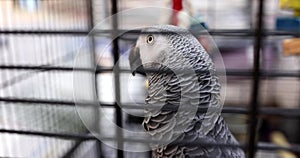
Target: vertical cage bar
(252,128)
(94,78)
(119,134)
(89,6)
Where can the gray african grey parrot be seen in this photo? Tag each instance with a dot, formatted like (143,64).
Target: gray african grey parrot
(171,50)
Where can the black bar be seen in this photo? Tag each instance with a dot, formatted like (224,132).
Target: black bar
(46,32)
(252,128)
(43,68)
(261,145)
(279,74)
(213,32)
(94,77)
(229,72)
(226,109)
(94,81)
(270,147)
(115,38)
(245,33)
(49,134)
(38,101)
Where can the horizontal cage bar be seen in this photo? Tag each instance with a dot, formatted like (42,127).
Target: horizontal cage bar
(261,145)
(214,32)
(229,72)
(226,109)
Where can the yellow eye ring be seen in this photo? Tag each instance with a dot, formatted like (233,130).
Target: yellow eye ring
(150,39)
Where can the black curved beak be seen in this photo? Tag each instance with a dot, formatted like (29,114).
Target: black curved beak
(135,61)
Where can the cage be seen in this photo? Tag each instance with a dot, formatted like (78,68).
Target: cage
(39,42)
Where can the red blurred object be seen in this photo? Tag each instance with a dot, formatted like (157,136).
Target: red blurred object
(176,6)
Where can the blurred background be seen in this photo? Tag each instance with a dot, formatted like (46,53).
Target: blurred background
(39,41)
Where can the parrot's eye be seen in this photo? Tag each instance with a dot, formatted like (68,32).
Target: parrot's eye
(150,39)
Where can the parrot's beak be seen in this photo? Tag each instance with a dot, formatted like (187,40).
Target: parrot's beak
(135,61)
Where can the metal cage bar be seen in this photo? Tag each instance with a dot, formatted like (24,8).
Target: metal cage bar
(284,112)
(260,145)
(89,4)
(94,76)
(229,72)
(254,106)
(213,32)
(118,111)
(254,111)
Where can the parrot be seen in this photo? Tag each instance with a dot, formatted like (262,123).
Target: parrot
(170,50)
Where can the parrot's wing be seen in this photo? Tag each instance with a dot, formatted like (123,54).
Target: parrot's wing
(218,135)
(183,150)
(222,135)
(162,126)
(200,150)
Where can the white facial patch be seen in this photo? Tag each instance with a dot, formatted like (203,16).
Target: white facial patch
(151,52)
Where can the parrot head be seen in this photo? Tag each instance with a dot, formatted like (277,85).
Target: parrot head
(154,46)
